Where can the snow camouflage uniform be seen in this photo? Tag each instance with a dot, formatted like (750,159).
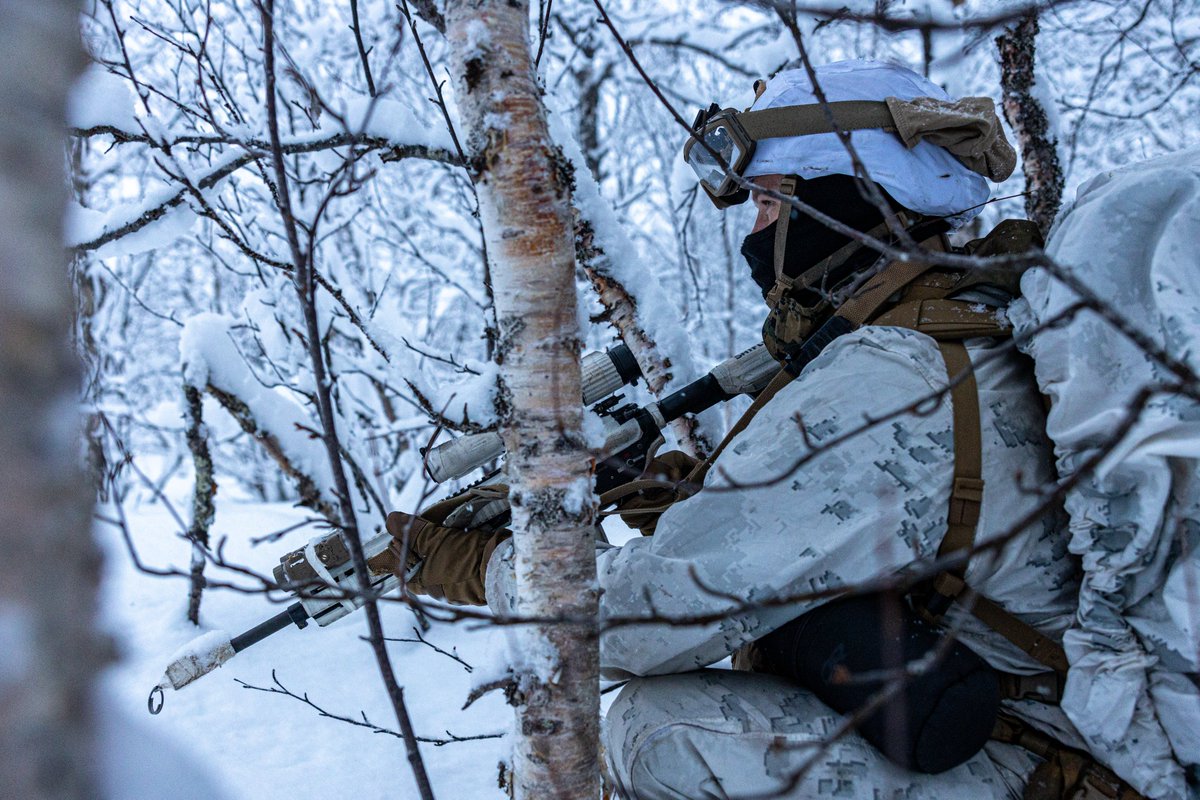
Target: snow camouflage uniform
(871,506)
(877,503)
(1131,236)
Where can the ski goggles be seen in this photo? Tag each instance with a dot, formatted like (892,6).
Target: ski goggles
(719,149)
(723,139)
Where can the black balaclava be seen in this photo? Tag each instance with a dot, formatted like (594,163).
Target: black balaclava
(809,241)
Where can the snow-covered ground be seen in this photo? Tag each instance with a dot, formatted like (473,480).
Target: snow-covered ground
(258,746)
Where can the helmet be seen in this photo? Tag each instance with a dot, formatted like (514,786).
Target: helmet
(930,153)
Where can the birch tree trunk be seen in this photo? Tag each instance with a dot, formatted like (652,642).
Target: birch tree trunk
(524,198)
(1030,124)
(49,653)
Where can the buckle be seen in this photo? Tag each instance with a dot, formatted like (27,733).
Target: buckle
(1044,687)
(966,499)
(945,590)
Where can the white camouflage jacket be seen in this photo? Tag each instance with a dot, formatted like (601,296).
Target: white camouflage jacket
(867,507)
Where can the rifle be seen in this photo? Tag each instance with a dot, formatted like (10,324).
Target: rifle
(321,574)
(631,433)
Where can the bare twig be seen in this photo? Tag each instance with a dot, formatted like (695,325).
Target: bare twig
(363,51)
(305,289)
(422,640)
(361,721)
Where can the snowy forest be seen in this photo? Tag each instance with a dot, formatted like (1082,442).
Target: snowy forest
(286,274)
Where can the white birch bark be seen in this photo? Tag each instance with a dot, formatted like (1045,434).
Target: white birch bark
(1044,177)
(524,199)
(49,653)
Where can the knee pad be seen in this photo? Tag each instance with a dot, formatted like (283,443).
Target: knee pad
(848,650)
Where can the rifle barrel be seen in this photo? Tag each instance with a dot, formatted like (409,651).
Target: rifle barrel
(294,613)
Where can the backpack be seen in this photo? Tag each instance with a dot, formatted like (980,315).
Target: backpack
(1129,248)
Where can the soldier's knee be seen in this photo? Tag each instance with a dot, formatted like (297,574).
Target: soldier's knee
(642,740)
(657,734)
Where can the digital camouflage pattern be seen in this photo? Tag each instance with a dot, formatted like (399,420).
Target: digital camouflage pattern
(869,506)
(720,734)
(1133,238)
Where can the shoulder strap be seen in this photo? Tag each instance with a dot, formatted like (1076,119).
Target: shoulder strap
(966,497)
(949,322)
(966,494)
(787,187)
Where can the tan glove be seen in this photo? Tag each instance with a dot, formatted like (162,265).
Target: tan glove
(454,561)
(672,466)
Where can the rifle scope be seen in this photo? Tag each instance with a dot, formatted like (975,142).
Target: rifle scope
(603,373)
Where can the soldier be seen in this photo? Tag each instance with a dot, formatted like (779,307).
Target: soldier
(805,499)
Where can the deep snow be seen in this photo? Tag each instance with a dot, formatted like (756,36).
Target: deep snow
(257,746)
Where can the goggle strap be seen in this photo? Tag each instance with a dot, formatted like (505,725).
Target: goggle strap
(787,188)
(806,120)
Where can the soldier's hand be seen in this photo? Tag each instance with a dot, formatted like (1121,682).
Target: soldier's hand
(642,510)
(453,561)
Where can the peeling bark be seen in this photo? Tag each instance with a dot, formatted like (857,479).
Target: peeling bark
(524,198)
(50,651)
(310,495)
(621,311)
(203,492)
(1024,112)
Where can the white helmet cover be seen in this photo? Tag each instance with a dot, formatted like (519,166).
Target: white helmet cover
(926,179)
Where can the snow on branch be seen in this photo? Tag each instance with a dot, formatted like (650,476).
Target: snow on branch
(212,362)
(90,231)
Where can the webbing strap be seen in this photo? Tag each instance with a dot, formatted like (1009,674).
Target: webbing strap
(966,494)
(1065,772)
(787,188)
(855,311)
(848,115)
(878,288)
(811,276)
(1037,645)
(619,493)
(966,497)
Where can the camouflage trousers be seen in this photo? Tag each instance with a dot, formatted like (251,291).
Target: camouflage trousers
(718,735)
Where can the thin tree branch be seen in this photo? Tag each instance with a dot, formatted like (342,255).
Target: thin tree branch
(305,289)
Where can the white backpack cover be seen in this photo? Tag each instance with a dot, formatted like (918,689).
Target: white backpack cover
(1132,237)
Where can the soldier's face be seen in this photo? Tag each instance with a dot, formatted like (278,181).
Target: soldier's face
(767,206)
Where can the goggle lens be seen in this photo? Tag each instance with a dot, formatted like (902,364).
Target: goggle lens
(707,168)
